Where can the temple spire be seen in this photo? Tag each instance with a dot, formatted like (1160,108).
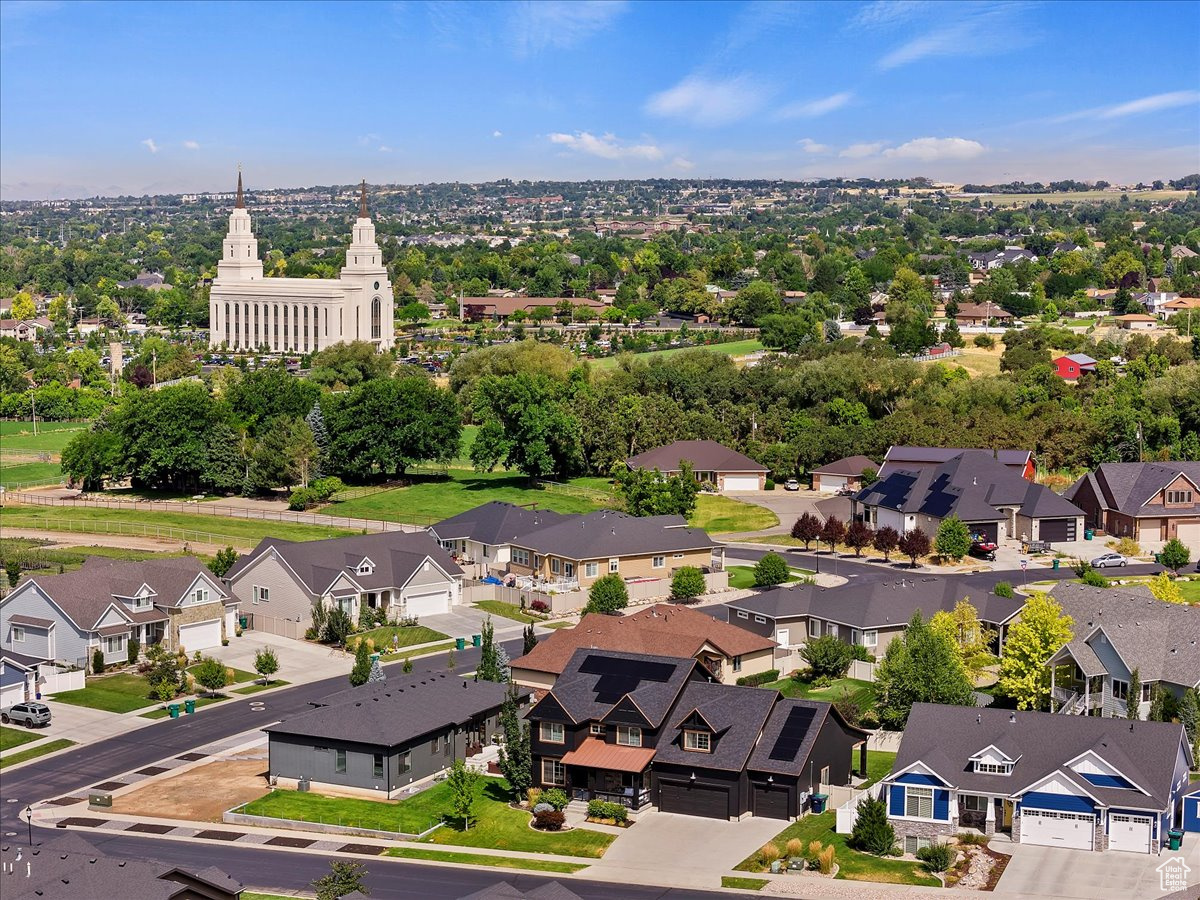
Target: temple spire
(362,205)
(241,201)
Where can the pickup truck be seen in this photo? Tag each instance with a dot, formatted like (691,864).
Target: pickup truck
(31,715)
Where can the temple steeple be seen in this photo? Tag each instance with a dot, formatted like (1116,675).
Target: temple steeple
(239,251)
(241,200)
(362,205)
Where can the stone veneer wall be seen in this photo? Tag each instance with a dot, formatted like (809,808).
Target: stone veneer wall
(931,830)
(189,615)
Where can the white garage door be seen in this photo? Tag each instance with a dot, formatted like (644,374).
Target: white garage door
(831,483)
(12,693)
(428,604)
(200,635)
(1189,535)
(1130,833)
(741,482)
(1050,828)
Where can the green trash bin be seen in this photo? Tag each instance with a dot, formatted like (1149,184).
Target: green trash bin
(460,643)
(818,803)
(476,640)
(1054,565)
(1088,534)
(244,621)
(173,710)
(1174,839)
(189,706)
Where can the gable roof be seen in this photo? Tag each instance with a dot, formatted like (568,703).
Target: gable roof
(945,737)
(917,457)
(736,715)
(662,630)
(981,310)
(787,754)
(396,556)
(1129,487)
(608,533)
(595,681)
(850,465)
(705,456)
(494,523)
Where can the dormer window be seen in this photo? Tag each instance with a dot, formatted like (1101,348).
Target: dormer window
(366,567)
(992,768)
(697,741)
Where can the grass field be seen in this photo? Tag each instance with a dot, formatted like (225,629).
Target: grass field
(35,752)
(733,348)
(1190,590)
(34,556)
(420,651)
(51,436)
(163,712)
(411,816)
(861,692)
(1073,197)
(506,610)
(732,881)
(978,361)
(724,515)
(397,636)
(29,472)
(742,577)
(112,693)
(14,737)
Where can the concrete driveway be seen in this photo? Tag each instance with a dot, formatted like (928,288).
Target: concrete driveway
(1092,876)
(787,505)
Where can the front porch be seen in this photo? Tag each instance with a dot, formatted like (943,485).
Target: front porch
(597,770)
(985,814)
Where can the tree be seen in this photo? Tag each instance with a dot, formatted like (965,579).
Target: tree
(1174,555)
(23,306)
(211,674)
(953,538)
(320,434)
(828,656)
(687,584)
(516,761)
(463,783)
(872,832)
(335,626)
(833,532)
(362,664)
(223,561)
(921,666)
(1037,635)
(914,544)
(607,594)
(413,312)
(650,493)
(266,663)
(1163,588)
(528,639)
(886,540)
(963,628)
(859,536)
(1133,700)
(754,301)
(1158,704)
(526,424)
(771,569)
(12,568)
(1189,715)
(343,878)
(489,662)
(807,528)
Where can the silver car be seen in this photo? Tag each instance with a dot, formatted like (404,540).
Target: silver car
(31,715)
(1109,559)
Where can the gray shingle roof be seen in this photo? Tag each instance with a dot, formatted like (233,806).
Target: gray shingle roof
(933,456)
(495,523)
(1128,487)
(736,714)
(761,760)
(552,890)
(594,681)
(850,465)
(607,533)
(945,737)
(705,456)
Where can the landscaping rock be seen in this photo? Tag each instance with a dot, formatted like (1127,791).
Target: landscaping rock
(979,867)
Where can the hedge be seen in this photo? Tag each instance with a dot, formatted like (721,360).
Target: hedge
(761,678)
(602,809)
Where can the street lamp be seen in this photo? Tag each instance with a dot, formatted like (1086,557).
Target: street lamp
(29,821)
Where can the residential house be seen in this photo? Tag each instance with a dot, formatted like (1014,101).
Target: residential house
(1156,302)
(1190,819)
(1072,366)
(843,474)
(1150,502)
(725,652)
(18,677)
(1020,461)
(383,737)
(982,314)
(1076,782)
(27,330)
(402,574)
(646,730)
(151,281)
(501,309)
(1180,305)
(995,502)
(712,463)
(1116,631)
(483,536)
(994,259)
(502,890)
(106,603)
(1064,247)
(1136,322)
(869,615)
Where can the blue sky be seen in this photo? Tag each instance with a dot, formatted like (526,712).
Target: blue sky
(162,97)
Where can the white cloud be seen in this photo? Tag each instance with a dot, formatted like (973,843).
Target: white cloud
(605,146)
(537,24)
(811,146)
(812,108)
(929,149)
(684,165)
(497,134)
(149,144)
(368,139)
(191,145)
(886,13)
(1152,104)
(861,151)
(384,148)
(974,29)
(708,101)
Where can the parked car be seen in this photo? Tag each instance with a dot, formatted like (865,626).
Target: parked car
(1109,559)
(31,715)
(983,550)
(791,485)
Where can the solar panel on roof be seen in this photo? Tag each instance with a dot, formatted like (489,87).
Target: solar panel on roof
(618,677)
(791,736)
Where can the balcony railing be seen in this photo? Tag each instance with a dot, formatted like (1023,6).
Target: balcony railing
(632,801)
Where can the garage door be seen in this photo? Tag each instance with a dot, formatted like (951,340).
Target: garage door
(831,483)
(990,531)
(741,482)
(1057,530)
(1051,828)
(1131,833)
(1189,536)
(693,799)
(200,636)
(428,604)
(771,802)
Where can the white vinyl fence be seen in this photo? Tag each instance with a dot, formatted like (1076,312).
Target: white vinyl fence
(59,679)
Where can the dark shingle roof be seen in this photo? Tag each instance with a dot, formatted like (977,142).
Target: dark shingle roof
(850,465)
(608,533)
(495,523)
(1128,487)
(789,757)
(912,457)
(551,890)
(736,714)
(705,456)
(594,681)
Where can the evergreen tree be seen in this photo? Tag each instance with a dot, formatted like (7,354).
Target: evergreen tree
(1133,699)
(1158,704)
(516,761)
(872,832)
(489,661)
(343,878)
(362,665)
(529,639)
(316,423)
(1189,715)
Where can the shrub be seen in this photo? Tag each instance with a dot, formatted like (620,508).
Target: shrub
(953,538)
(795,848)
(769,853)
(1003,589)
(532,796)
(772,569)
(97,661)
(761,678)
(1174,555)
(603,809)
(212,674)
(937,857)
(134,648)
(872,832)
(541,807)
(607,594)
(869,719)
(556,797)
(825,860)
(814,852)
(549,820)
(828,656)
(848,707)
(861,653)
(984,341)
(686,584)
(1127,546)
(1093,578)
(972,837)
(768,485)
(540,606)
(302,499)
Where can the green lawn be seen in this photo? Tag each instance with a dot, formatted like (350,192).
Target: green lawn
(732,881)
(505,610)
(162,712)
(399,636)
(35,752)
(410,816)
(258,687)
(855,866)
(879,763)
(27,472)
(500,827)
(112,693)
(51,436)
(732,348)
(1190,590)
(861,692)
(11,737)
(724,515)
(557,625)
(483,859)
(419,651)
(239,675)
(741,577)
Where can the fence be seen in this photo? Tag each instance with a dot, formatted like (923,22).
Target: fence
(847,809)
(95,526)
(274,625)
(58,679)
(568,601)
(932,356)
(863,671)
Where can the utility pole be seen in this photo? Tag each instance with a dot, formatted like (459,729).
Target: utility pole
(154,368)
(33,409)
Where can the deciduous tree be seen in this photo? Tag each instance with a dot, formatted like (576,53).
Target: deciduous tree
(1040,632)
(807,528)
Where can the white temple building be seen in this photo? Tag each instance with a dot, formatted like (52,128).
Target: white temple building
(299,315)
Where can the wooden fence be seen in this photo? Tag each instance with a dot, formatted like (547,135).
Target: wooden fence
(133,529)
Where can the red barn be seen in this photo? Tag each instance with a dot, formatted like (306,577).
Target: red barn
(1072,366)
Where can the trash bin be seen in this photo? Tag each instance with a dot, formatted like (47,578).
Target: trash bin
(460,643)
(818,803)
(189,706)
(243,621)
(1158,559)
(1054,565)
(173,710)
(1174,839)
(1088,534)
(476,640)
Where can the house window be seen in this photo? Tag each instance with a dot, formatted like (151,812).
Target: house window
(831,628)
(520,557)
(405,762)
(552,733)
(814,628)
(114,645)
(200,596)
(742,614)
(761,620)
(918,802)
(436,744)
(261,594)
(737,664)
(1146,686)
(377,765)
(870,638)
(1179,496)
(591,570)
(975,803)
(339,761)
(597,729)
(993,768)
(18,635)
(553,772)
(555,566)
(614,565)
(629,736)
(913,844)
(697,741)
(1120,689)
(447,744)
(658,562)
